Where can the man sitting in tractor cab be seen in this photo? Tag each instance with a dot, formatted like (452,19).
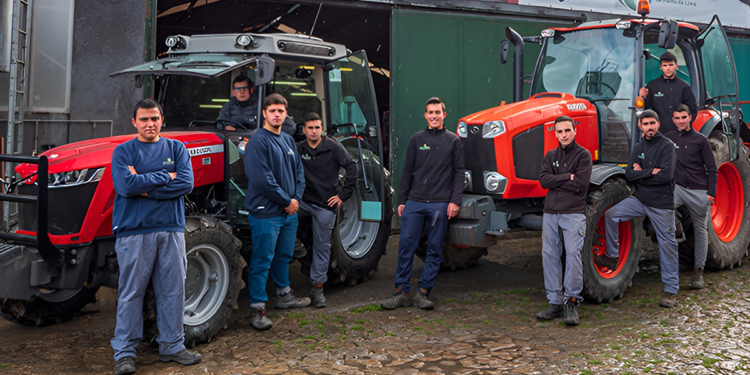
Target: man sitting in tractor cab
(242,108)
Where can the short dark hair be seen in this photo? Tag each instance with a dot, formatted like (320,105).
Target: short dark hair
(274,99)
(312,116)
(563,119)
(238,79)
(681,108)
(434,100)
(147,103)
(648,114)
(668,57)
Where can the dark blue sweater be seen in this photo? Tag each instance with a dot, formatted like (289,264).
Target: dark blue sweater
(162,209)
(274,174)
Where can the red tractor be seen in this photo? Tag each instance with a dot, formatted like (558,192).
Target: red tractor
(63,250)
(592,73)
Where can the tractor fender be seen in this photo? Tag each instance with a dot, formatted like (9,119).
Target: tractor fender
(710,124)
(602,172)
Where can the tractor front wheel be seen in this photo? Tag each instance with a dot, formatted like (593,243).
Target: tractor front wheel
(55,307)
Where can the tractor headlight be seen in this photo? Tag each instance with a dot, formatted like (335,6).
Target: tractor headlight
(176,42)
(83,176)
(244,40)
(462,129)
(492,129)
(495,182)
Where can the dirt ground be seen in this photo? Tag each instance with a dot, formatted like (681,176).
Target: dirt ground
(484,323)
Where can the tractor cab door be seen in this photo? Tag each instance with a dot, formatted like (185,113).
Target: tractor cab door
(720,91)
(353,120)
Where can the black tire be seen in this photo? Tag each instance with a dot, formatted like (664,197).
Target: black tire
(209,244)
(57,307)
(602,284)
(729,223)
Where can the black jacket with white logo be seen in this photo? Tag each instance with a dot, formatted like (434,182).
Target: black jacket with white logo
(566,196)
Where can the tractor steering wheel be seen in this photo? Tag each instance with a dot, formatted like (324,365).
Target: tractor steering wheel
(234,123)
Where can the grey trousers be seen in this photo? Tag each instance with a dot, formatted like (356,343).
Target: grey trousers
(696,202)
(663,222)
(158,257)
(573,228)
(323,221)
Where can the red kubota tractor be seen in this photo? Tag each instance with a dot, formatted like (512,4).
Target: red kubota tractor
(592,73)
(63,250)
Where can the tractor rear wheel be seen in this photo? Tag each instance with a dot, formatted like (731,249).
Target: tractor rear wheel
(601,284)
(729,226)
(52,308)
(212,284)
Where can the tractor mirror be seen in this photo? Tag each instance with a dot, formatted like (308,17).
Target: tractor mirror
(504,50)
(668,34)
(264,70)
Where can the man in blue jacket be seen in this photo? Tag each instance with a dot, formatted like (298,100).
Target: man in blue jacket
(276,182)
(150,175)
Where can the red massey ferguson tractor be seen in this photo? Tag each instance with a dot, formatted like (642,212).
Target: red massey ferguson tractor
(592,73)
(63,250)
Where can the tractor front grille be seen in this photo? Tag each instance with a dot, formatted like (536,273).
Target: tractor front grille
(67,208)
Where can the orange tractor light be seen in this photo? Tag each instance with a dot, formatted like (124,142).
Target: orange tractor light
(644,8)
(640,104)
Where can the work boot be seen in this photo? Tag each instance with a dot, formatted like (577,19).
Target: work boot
(553,311)
(668,300)
(571,311)
(258,318)
(421,301)
(125,366)
(317,297)
(287,301)
(399,299)
(183,357)
(605,261)
(697,282)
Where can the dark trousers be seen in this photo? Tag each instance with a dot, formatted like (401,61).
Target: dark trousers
(413,219)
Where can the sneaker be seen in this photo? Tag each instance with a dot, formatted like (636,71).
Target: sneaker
(697,282)
(421,301)
(258,318)
(399,299)
(288,301)
(317,297)
(668,300)
(605,261)
(125,366)
(571,311)
(184,358)
(553,311)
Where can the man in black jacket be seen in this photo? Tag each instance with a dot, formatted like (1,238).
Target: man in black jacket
(665,93)
(322,158)
(243,109)
(566,172)
(695,183)
(430,191)
(651,169)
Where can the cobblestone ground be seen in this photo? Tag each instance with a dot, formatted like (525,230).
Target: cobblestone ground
(488,333)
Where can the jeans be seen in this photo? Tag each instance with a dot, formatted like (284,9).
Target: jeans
(413,219)
(273,245)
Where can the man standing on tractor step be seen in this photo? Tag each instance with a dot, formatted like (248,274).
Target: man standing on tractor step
(566,172)
(150,175)
(651,169)
(322,158)
(430,191)
(275,183)
(665,93)
(695,183)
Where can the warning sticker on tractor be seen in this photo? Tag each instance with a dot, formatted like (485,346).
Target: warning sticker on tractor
(206,161)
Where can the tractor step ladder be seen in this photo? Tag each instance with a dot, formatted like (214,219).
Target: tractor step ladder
(19,55)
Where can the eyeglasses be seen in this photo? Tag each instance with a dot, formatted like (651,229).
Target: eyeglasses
(648,123)
(241,89)
(680,117)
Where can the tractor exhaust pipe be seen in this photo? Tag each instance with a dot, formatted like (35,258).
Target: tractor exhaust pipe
(514,37)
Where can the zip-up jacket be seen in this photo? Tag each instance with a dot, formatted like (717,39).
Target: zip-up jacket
(274,174)
(321,165)
(566,196)
(696,167)
(654,190)
(664,95)
(434,168)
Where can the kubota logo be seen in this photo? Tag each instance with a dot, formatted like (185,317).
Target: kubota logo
(576,107)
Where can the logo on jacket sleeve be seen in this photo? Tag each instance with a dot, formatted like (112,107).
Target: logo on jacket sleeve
(424,147)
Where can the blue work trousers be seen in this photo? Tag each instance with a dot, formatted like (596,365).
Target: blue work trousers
(413,219)
(158,257)
(273,245)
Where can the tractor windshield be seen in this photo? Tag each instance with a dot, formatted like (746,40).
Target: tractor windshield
(598,65)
